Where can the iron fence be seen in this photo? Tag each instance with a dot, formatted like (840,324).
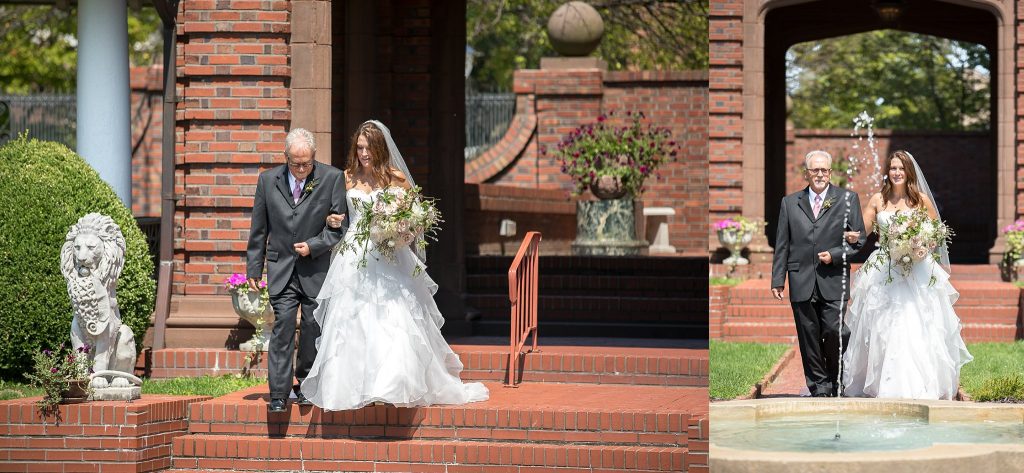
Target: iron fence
(48,117)
(487,119)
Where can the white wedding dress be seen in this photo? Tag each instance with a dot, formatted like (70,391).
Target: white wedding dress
(904,335)
(380,335)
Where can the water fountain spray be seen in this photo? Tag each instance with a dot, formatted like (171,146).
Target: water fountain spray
(862,120)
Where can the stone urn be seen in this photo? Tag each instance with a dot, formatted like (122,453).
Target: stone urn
(608,187)
(575,29)
(250,308)
(608,228)
(75,391)
(735,242)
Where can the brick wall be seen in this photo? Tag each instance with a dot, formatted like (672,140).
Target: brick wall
(95,436)
(725,113)
(147,129)
(556,101)
(546,211)
(233,114)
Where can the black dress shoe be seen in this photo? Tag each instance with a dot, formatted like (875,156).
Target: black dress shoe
(820,395)
(303,401)
(277,405)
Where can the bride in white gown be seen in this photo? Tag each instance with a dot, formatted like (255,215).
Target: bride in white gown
(905,336)
(380,328)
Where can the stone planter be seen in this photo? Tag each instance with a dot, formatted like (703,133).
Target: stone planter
(607,187)
(735,242)
(76,391)
(607,228)
(247,306)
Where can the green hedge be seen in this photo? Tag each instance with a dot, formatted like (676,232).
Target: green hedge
(44,189)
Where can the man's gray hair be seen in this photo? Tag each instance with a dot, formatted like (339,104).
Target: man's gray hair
(808,156)
(301,137)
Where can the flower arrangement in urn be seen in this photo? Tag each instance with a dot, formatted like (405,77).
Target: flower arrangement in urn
(63,375)
(613,161)
(1012,259)
(735,233)
(250,306)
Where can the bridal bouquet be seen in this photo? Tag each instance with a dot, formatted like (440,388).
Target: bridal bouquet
(908,238)
(393,219)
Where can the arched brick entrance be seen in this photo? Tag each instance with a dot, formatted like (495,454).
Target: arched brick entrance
(747,105)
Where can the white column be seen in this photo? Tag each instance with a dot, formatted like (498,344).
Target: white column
(103,93)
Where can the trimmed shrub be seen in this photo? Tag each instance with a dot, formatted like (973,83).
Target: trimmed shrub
(1002,389)
(44,189)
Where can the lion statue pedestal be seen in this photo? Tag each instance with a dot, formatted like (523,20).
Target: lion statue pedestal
(91,260)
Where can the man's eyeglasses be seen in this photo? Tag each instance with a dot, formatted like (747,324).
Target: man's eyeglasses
(821,171)
(300,165)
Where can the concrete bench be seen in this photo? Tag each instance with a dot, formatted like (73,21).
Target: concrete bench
(658,219)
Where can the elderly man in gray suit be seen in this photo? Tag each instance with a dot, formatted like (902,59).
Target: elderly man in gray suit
(810,249)
(289,230)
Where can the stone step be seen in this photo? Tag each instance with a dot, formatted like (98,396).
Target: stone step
(606,309)
(785,332)
(229,453)
(782,312)
(595,265)
(972,293)
(631,329)
(534,412)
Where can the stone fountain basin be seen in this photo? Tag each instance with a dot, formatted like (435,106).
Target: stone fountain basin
(939,457)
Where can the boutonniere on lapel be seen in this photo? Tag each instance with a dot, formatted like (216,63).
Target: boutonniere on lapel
(827,203)
(311,185)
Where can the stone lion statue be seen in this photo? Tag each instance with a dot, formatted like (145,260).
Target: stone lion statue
(91,260)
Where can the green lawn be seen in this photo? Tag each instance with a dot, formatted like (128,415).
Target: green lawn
(736,367)
(202,386)
(724,281)
(990,375)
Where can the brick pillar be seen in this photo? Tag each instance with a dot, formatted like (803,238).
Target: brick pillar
(233,115)
(311,80)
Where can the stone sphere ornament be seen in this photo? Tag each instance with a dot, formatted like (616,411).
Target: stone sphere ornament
(575,29)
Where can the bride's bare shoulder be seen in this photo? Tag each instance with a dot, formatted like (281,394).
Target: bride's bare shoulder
(876,200)
(398,178)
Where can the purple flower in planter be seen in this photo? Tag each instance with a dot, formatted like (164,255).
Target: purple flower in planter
(53,370)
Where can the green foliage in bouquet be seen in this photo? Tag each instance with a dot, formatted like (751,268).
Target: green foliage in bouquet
(392,219)
(909,237)
(44,189)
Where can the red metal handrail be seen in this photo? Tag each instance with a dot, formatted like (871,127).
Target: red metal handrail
(522,292)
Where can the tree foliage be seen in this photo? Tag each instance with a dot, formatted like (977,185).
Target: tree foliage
(904,80)
(639,35)
(38,51)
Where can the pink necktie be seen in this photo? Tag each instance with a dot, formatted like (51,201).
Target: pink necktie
(817,205)
(297,192)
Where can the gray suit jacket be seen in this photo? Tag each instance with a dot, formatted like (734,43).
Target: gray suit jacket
(800,237)
(278,223)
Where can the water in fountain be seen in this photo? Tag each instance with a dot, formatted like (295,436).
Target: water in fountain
(861,432)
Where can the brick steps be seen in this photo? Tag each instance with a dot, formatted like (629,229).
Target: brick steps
(661,363)
(225,453)
(640,297)
(988,310)
(573,413)
(533,428)
(635,286)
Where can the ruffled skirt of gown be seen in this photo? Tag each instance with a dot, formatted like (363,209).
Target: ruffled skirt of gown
(905,336)
(381,340)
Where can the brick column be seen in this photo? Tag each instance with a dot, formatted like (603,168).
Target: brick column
(233,115)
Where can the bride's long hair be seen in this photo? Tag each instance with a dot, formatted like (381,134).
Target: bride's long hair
(380,158)
(913,191)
